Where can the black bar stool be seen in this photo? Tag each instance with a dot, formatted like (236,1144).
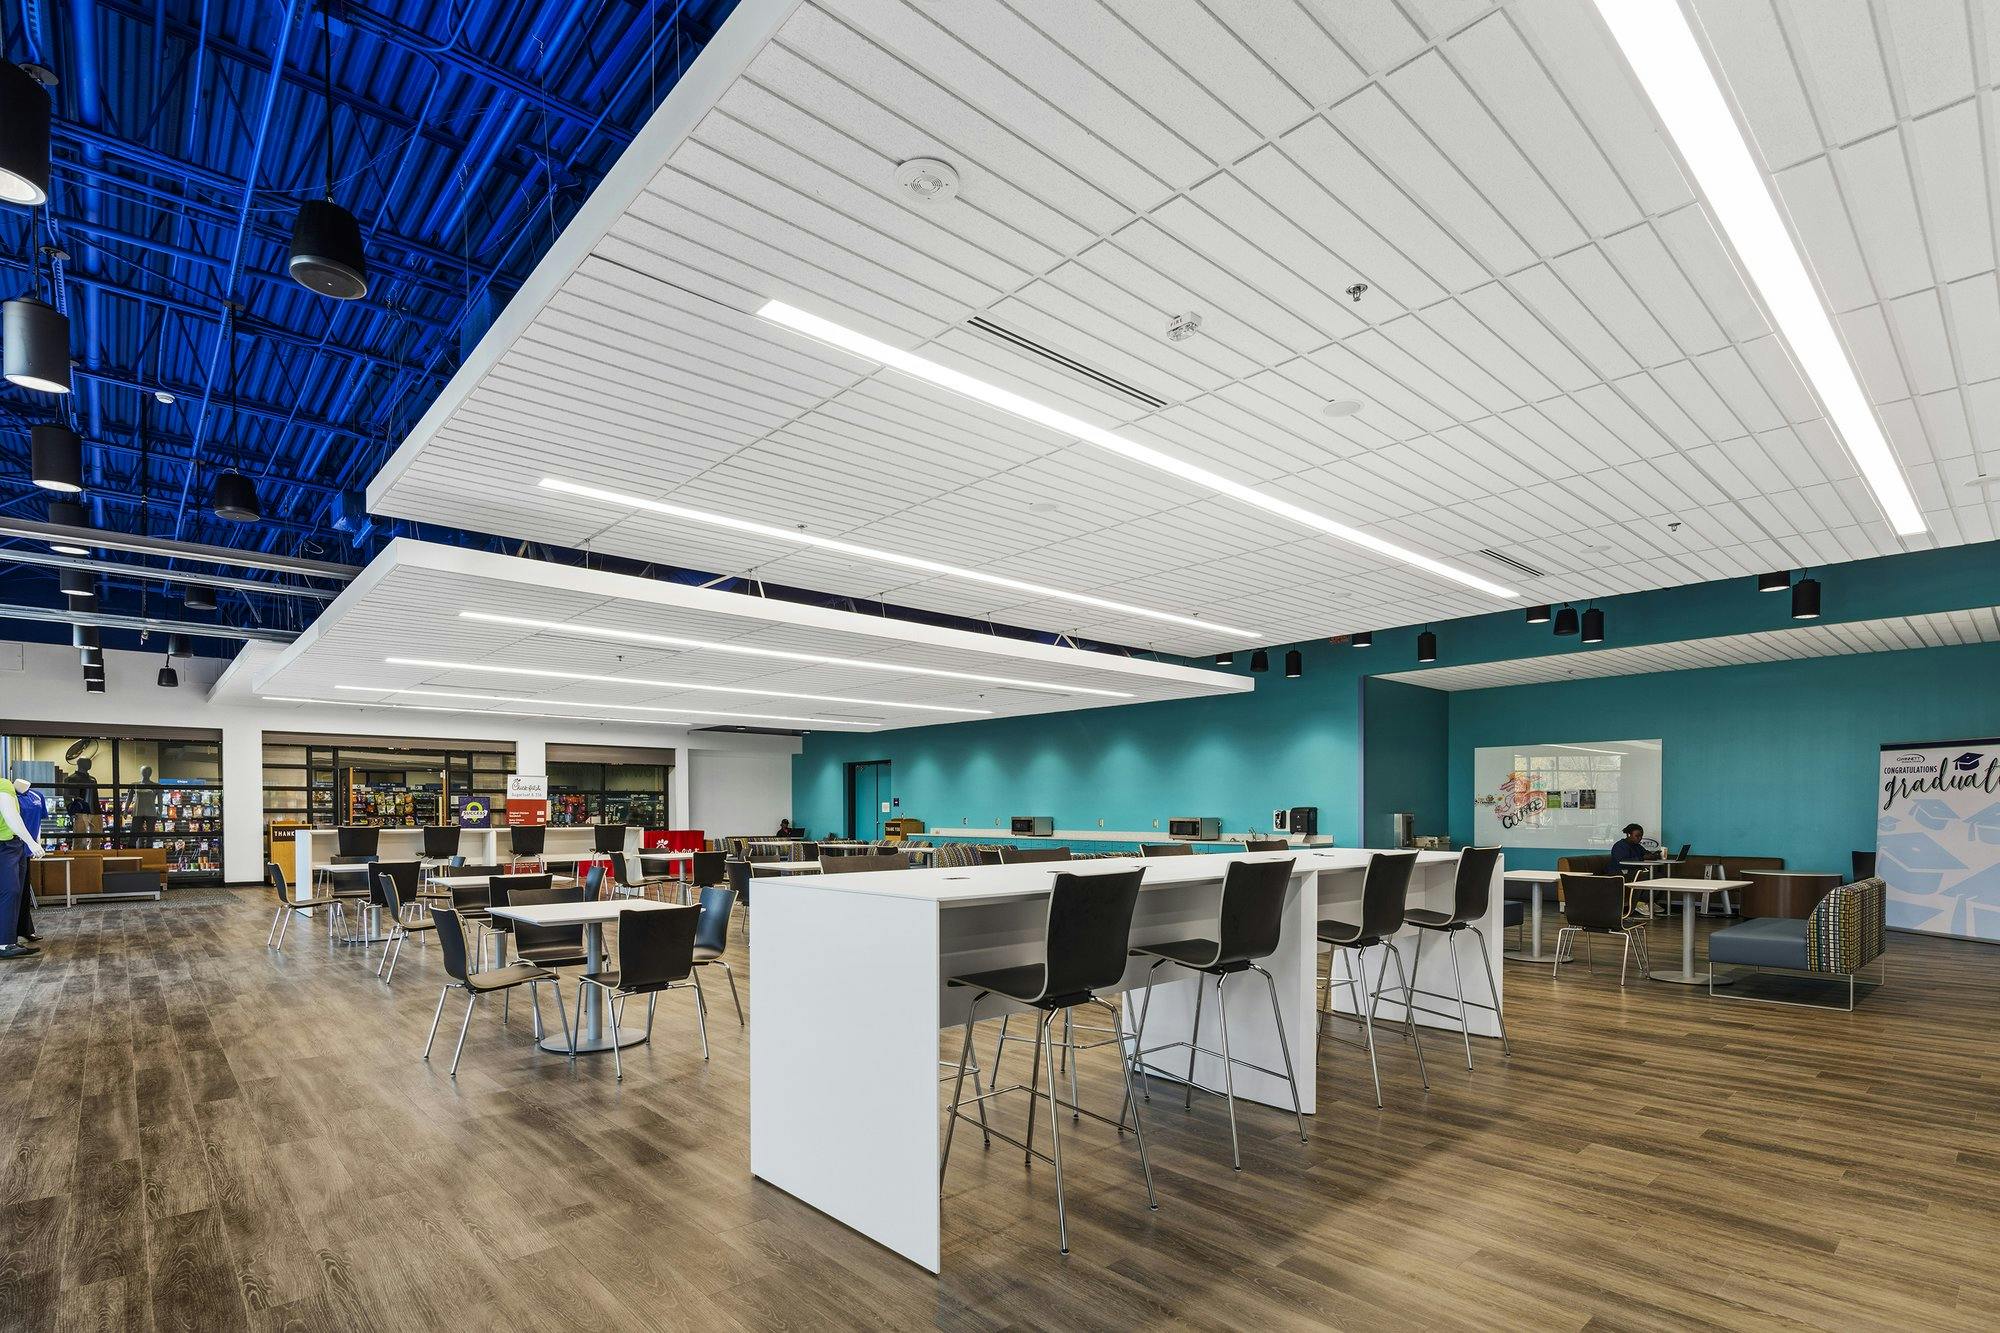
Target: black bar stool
(1247,928)
(1085,944)
(1384,894)
(1472,892)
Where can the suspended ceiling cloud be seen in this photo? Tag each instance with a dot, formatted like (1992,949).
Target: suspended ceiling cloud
(1556,360)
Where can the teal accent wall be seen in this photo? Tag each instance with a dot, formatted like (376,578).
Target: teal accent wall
(1404,749)
(1301,742)
(1772,759)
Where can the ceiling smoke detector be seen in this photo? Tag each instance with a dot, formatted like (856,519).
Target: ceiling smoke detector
(927,179)
(1342,407)
(1183,327)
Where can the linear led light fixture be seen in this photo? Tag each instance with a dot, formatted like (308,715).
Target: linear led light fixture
(879,556)
(501,712)
(545,673)
(744,650)
(1656,39)
(565,703)
(931,372)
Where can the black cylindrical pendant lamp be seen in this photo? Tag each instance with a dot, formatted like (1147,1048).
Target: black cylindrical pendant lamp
(180,645)
(1225,659)
(78,585)
(199,597)
(234,497)
(37,351)
(326,251)
(1774,582)
(1260,660)
(55,455)
(1365,639)
(1566,620)
(1538,615)
(169,679)
(94,670)
(1805,599)
(1593,626)
(1427,647)
(90,657)
(68,514)
(1295,664)
(83,636)
(24,137)
(93,686)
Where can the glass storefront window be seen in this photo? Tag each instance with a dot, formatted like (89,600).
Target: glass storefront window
(123,793)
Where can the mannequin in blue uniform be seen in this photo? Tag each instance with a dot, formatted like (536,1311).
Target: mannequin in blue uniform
(34,809)
(17,845)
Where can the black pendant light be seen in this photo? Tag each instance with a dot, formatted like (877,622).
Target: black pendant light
(326,240)
(91,657)
(55,457)
(1427,647)
(1225,659)
(94,670)
(1593,626)
(1538,615)
(77,584)
(168,679)
(67,514)
(83,636)
(233,495)
(1566,620)
(1295,664)
(1365,639)
(199,597)
(36,335)
(93,685)
(1260,660)
(179,645)
(1775,582)
(1805,599)
(24,137)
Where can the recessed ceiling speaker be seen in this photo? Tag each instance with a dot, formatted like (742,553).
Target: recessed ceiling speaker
(24,137)
(927,179)
(67,514)
(77,585)
(199,597)
(1427,647)
(326,251)
(1593,626)
(37,338)
(1805,599)
(1566,620)
(1776,582)
(235,498)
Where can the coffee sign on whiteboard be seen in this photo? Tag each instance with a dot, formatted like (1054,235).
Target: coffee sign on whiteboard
(1564,794)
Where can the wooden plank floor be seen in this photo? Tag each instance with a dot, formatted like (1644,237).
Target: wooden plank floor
(203,1134)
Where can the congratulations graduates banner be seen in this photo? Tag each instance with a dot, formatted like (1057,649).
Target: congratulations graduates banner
(1938,836)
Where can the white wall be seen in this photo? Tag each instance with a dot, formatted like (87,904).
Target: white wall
(739,793)
(46,687)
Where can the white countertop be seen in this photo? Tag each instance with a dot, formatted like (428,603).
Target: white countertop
(1106,835)
(582,914)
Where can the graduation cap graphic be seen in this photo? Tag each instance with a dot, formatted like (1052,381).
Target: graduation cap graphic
(1967,762)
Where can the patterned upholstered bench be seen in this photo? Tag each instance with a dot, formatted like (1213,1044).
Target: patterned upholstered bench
(1842,936)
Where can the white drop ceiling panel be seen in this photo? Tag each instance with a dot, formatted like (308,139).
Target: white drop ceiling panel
(407,604)
(1556,356)
(1936,630)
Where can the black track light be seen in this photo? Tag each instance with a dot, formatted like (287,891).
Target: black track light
(84,636)
(24,137)
(93,686)
(1776,582)
(180,645)
(1539,615)
(37,344)
(234,497)
(1365,639)
(326,240)
(199,597)
(1593,626)
(1260,660)
(68,514)
(55,455)
(77,585)
(1805,599)
(1295,664)
(1566,620)
(1427,647)
(168,679)
(1225,659)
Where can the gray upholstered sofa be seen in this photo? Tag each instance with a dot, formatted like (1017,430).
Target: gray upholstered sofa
(1842,936)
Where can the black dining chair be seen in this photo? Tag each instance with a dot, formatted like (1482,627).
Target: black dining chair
(629,884)
(711,869)
(593,883)
(1166,849)
(607,838)
(1599,905)
(1385,893)
(1471,895)
(1266,845)
(333,903)
(451,948)
(526,843)
(1249,919)
(401,923)
(1085,941)
(711,937)
(655,954)
(440,842)
(1022,856)
(548,946)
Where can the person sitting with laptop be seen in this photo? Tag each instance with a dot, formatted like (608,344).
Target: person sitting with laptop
(1629,853)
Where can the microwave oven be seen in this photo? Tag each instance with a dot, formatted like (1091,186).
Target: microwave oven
(1032,826)
(1196,828)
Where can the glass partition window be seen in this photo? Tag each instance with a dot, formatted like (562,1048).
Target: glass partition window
(110,793)
(581,793)
(380,784)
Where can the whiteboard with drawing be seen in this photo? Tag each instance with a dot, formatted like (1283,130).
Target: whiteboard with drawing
(1566,794)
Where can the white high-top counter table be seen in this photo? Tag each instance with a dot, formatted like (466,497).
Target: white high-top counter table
(846,1102)
(316,847)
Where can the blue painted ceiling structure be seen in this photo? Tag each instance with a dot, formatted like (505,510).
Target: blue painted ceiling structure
(186,135)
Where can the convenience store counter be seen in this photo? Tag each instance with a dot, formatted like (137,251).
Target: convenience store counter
(479,846)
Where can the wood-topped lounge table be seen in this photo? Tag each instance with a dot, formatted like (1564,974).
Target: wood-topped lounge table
(1689,890)
(592,1033)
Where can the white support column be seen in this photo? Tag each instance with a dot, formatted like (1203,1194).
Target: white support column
(242,802)
(680,803)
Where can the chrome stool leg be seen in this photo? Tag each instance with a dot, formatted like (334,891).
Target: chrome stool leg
(1228,1072)
(1410,1013)
(1284,1048)
(1055,1133)
(1458,985)
(1493,988)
